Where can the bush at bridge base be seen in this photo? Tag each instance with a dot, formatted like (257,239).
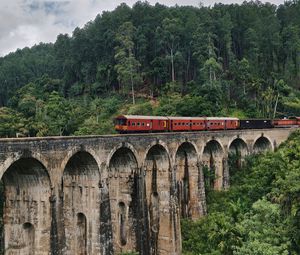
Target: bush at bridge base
(259,214)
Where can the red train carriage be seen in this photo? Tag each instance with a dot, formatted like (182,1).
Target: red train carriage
(221,123)
(286,122)
(179,123)
(139,123)
(198,124)
(186,123)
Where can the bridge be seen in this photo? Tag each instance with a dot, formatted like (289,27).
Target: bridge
(116,193)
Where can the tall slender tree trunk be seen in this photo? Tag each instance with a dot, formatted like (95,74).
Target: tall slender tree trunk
(132,85)
(172,63)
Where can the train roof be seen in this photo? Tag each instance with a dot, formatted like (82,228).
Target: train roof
(221,118)
(186,118)
(141,117)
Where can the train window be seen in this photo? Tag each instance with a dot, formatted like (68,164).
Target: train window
(121,122)
(133,123)
(143,124)
(138,124)
(186,124)
(222,123)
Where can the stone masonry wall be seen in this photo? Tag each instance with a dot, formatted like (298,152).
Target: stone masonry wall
(111,194)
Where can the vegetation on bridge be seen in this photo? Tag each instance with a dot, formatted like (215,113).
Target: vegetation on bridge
(238,60)
(260,214)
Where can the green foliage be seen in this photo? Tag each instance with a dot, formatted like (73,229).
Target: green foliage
(11,123)
(260,212)
(234,60)
(264,231)
(175,104)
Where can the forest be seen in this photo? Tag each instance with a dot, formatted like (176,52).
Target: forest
(259,214)
(222,60)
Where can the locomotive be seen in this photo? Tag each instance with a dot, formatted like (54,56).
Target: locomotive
(140,123)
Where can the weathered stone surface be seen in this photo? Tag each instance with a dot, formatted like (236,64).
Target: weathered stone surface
(110,194)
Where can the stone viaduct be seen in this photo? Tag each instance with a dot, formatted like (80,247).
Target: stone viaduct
(113,194)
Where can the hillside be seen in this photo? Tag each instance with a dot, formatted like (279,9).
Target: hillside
(233,60)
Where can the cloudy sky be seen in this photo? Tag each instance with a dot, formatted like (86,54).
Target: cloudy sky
(28,22)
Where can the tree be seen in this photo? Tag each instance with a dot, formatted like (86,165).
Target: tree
(12,123)
(127,66)
(169,35)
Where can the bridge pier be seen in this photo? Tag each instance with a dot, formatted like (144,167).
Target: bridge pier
(81,205)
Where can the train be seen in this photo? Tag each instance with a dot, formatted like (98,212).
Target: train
(151,124)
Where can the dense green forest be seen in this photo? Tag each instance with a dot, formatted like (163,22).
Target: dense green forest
(259,215)
(231,60)
(224,60)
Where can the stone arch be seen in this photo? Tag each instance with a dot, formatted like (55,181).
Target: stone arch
(74,151)
(27,210)
(214,142)
(187,180)
(129,146)
(158,187)
(262,144)
(81,196)
(122,183)
(237,151)
(213,161)
(26,154)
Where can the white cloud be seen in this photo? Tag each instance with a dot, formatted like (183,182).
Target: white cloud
(28,22)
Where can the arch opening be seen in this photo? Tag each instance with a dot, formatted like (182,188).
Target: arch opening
(212,160)
(29,239)
(262,144)
(81,203)
(124,196)
(26,208)
(238,150)
(81,234)
(122,224)
(123,161)
(186,177)
(158,185)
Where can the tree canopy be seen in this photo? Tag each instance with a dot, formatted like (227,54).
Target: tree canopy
(227,58)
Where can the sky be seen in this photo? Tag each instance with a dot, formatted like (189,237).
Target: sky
(24,23)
